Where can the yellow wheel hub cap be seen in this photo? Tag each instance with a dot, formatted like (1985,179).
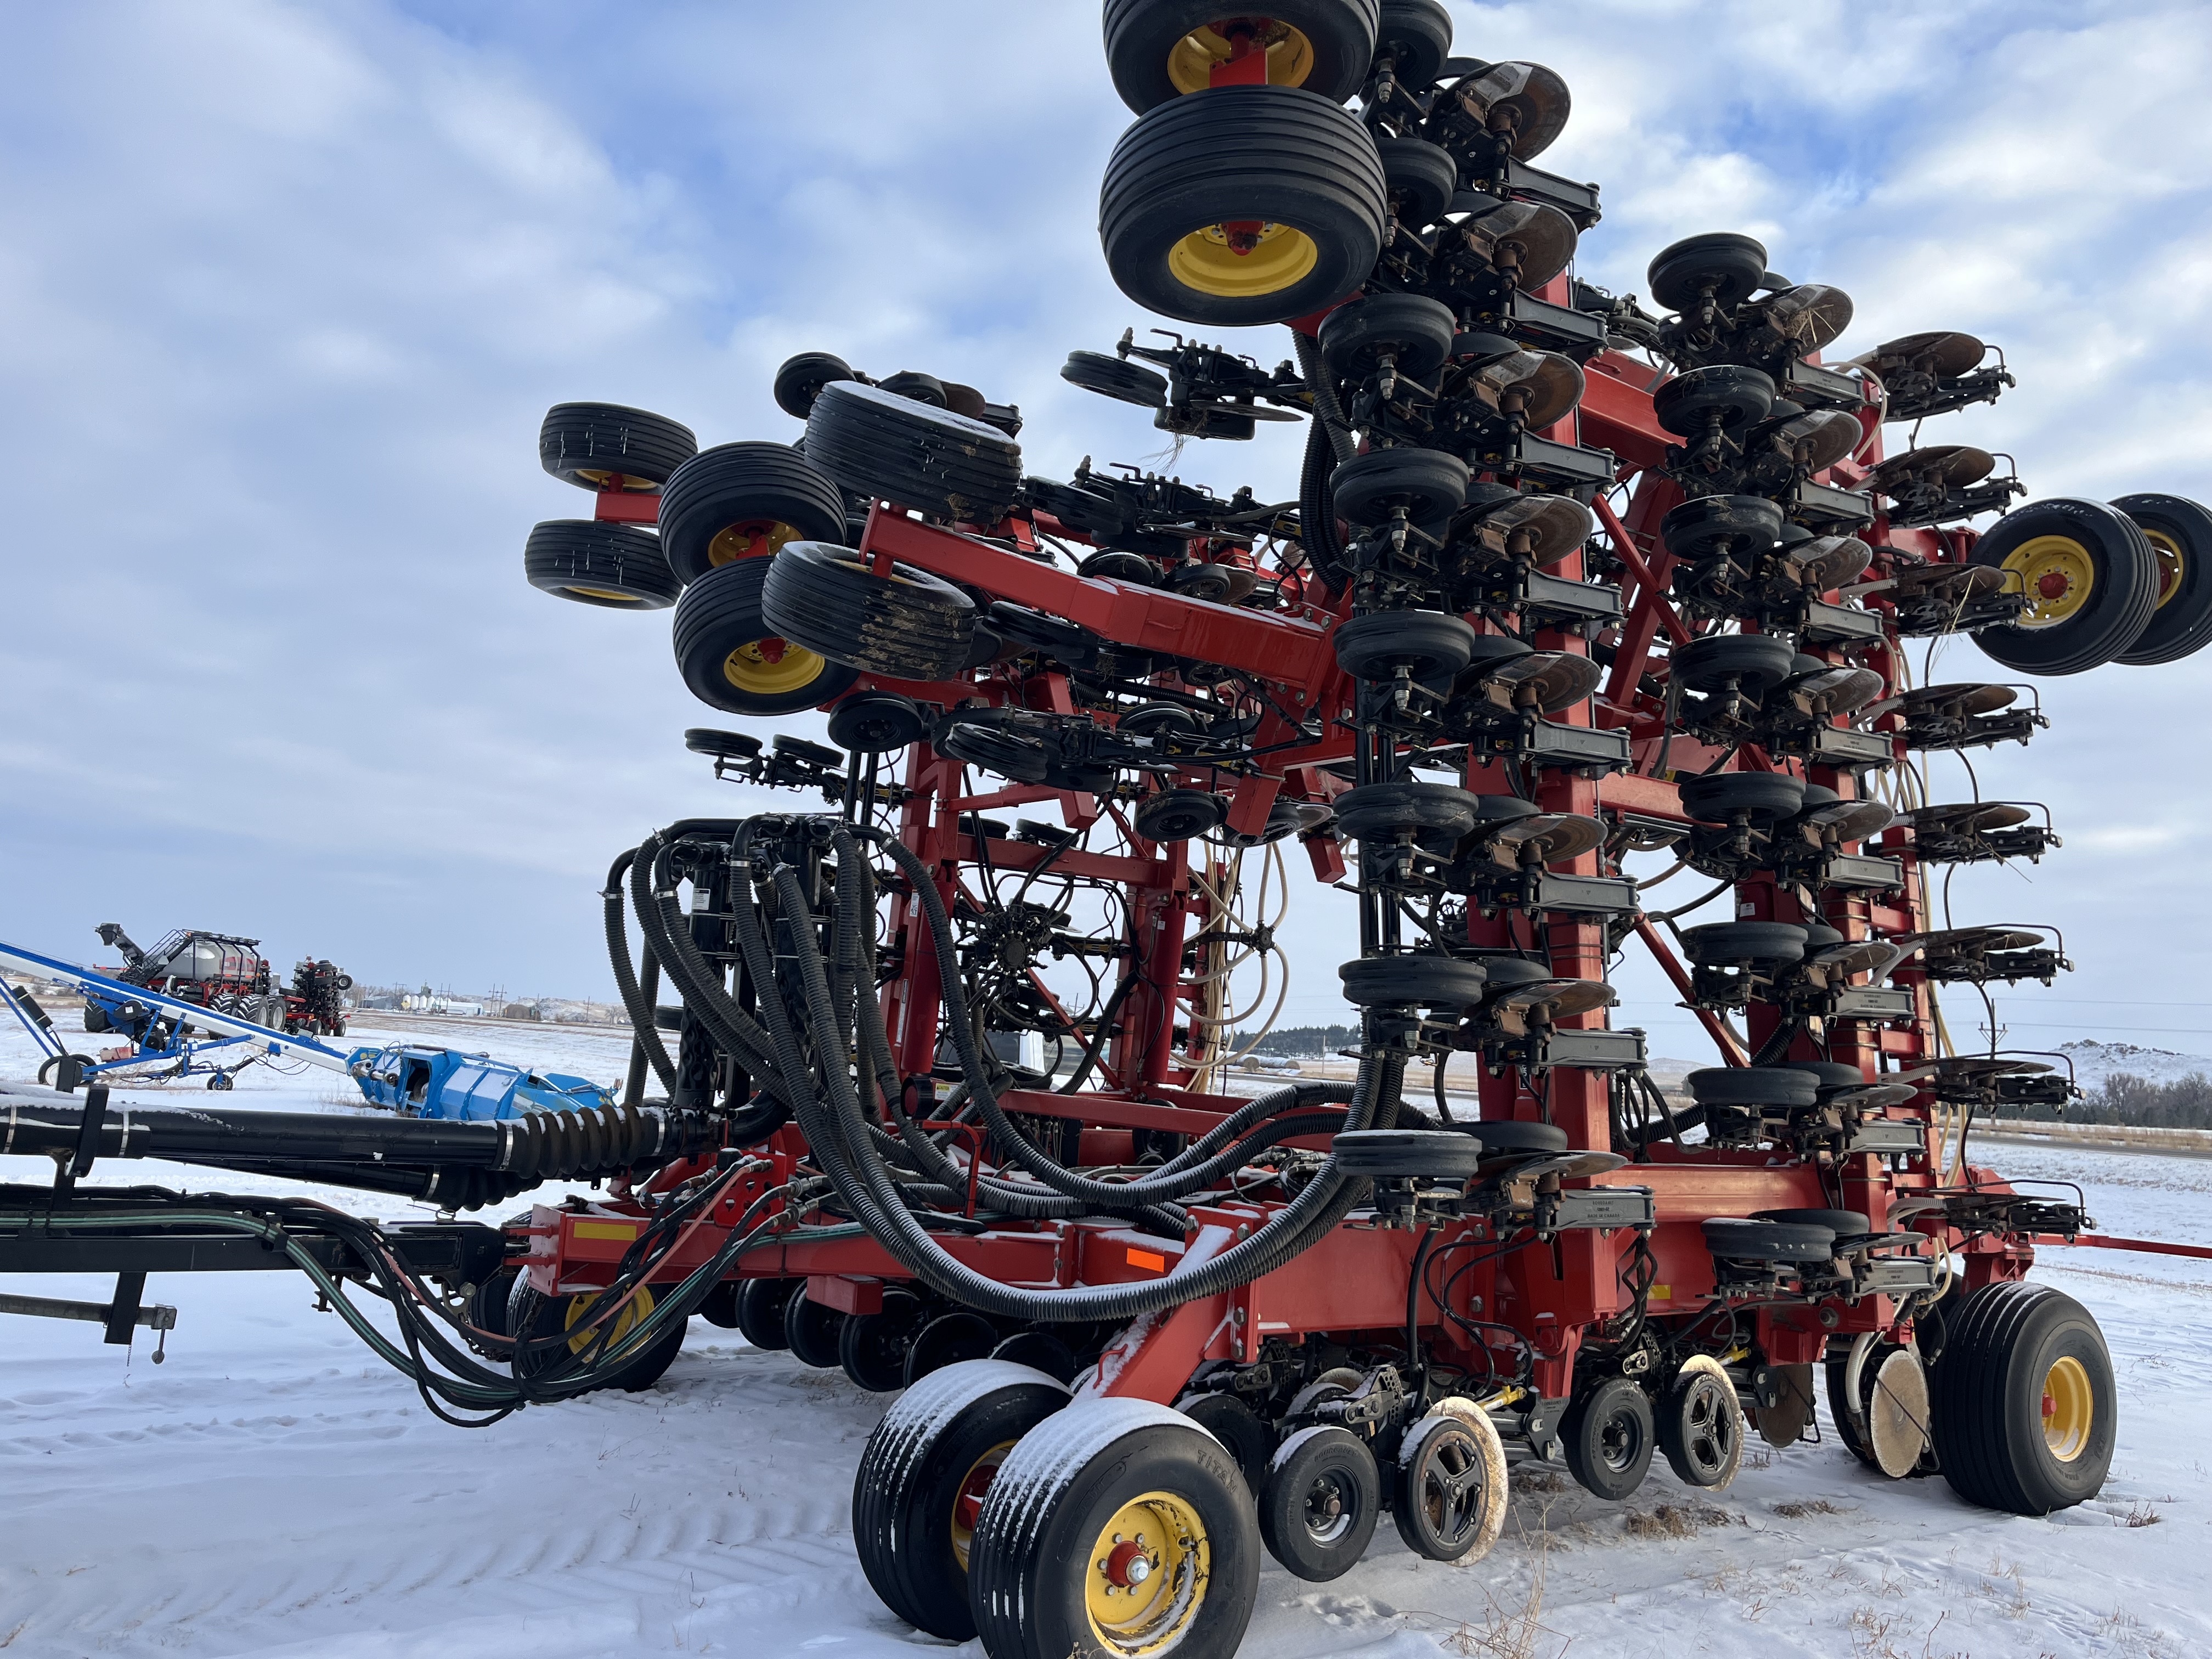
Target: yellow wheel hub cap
(1146,1576)
(1290,55)
(763,670)
(754,536)
(615,481)
(1209,261)
(2069,1409)
(605,594)
(2169,564)
(2057,575)
(580,1309)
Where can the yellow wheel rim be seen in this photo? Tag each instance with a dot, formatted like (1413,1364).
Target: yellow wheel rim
(2169,564)
(1146,1576)
(754,536)
(605,594)
(749,669)
(1205,260)
(968,1501)
(580,1309)
(1290,56)
(2057,575)
(622,481)
(2069,1409)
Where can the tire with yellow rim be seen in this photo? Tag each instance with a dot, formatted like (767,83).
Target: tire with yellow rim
(1160,50)
(744,500)
(923,1478)
(2181,536)
(906,623)
(1115,1529)
(608,448)
(2090,577)
(557,1333)
(1243,205)
(617,566)
(733,660)
(2024,1410)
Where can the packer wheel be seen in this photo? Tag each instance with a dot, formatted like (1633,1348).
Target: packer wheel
(1451,1495)
(1320,1502)
(1608,1439)
(2025,1409)
(1701,1424)
(923,1480)
(1115,1529)
(759,1311)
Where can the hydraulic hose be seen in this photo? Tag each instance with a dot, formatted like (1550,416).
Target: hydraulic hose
(634,1001)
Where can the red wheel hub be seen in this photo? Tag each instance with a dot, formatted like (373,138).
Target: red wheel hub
(1128,1565)
(2052,584)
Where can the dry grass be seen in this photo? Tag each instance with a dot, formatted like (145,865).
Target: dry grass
(1538,1481)
(1675,1521)
(1506,1629)
(1875,1636)
(2141,1513)
(1798,1508)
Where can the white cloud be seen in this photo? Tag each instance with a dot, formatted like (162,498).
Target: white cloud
(285,290)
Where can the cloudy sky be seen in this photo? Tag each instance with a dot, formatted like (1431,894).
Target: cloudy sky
(284,290)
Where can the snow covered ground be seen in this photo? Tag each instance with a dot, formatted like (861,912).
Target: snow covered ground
(273,1489)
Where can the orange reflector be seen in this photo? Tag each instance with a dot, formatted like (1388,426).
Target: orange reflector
(1149,1259)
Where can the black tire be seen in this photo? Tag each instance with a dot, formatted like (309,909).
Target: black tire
(1159,50)
(1445,1495)
(1431,644)
(1173,815)
(1319,1502)
(2013,1348)
(604,447)
(1752,1085)
(744,500)
(1116,566)
(950,1339)
(2180,534)
(1756,662)
(1734,266)
(1709,523)
(619,565)
(1291,161)
(1416,36)
(1608,1436)
(1238,1428)
(1438,812)
(909,625)
(879,445)
(910,1527)
(872,1347)
(1844,1224)
(1764,944)
(1415,332)
(1408,1154)
(1760,797)
(920,388)
(1421,177)
(1055,1505)
(529,1314)
(800,380)
(1742,398)
(1115,377)
(2105,574)
(733,660)
(760,1306)
(1418,982)
(1701,1428)
(1040,1350)
(1731,1240)
(1836,1372)
(1430,485)
(719,1308)
(878,723)
(1019,755)
(1511,1137)
(487,1304)
(811,1331)
(1828,1074)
